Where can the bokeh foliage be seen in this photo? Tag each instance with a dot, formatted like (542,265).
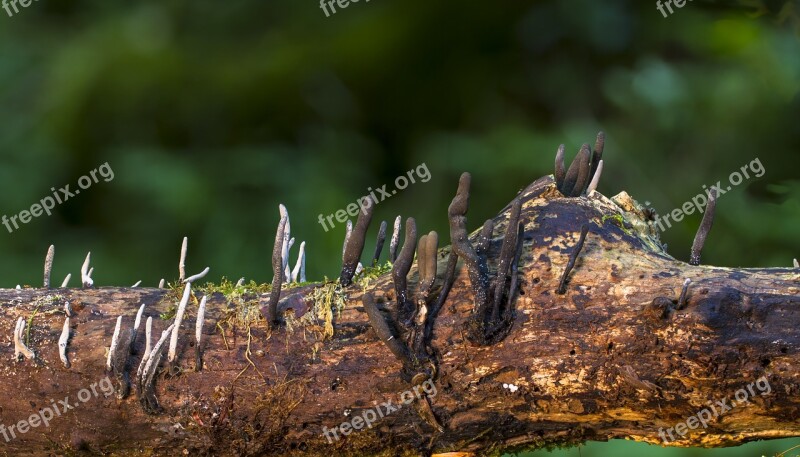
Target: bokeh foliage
(211,113)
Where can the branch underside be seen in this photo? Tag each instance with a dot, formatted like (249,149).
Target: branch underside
(592,364)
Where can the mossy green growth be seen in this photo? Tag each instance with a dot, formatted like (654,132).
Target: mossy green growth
(370,274)
(620,222)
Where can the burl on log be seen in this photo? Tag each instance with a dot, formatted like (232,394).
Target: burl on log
(618,355)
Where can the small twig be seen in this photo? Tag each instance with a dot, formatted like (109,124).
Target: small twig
(562,286)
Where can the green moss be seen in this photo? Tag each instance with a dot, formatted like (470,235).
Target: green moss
(620,222)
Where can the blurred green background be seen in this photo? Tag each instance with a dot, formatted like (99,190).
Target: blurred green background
(212,113)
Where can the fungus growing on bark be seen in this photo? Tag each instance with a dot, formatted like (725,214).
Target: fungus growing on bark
(395,240)
(705,227)
(595,179)
(400,269)
(48,265)
(355,243)
(198,334)
(682,298)
(576,250)
(173,341)
(182,260)
(379,243)
(161,283)
(65,282)
(198,276)
(114,343)
(63,341)
(137,284)
(271,312)
(86,273)
(298,274)
(20,349)
(147,395)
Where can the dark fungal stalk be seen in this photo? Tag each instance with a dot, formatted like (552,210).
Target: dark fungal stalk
(379,243)
(384,332)
(120,362)
(355,244)
(395,239)
(705,227)
(597,152)
(485,237)
(562,286)
(507,253)
(277,270)
(400,269)
(459,238)
(560,172)
(48,265)
(426,261)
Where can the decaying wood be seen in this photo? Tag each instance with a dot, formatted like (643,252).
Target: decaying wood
(613,357)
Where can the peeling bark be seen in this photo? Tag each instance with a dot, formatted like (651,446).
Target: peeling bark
(613,357)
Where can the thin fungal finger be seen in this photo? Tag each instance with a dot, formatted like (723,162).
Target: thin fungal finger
(705,227)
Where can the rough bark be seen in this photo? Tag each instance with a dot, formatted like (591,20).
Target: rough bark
(613,357)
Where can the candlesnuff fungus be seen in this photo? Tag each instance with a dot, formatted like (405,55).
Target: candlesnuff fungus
(299,272)
(379,243)
(198,333)
(476,265)
(147,395)
(400,269)
(417,366)
(137,284)
(287,271)
(582,175)
(287,235)
(65,282)
(48,265)
(161,283)
(120,362)
(182,261)
(348,230)
(576,250)
(63,340)
(597,152)
(198,276)
(355,244)
(114,343)
(240,282)
(595,179)
(271,313)
(20,349)
(148,328)
(705,227)
(86,274)
(67,308)
(137,322)
(682,298)
(796,263)
(395,238)
(173,341)
(486,325)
